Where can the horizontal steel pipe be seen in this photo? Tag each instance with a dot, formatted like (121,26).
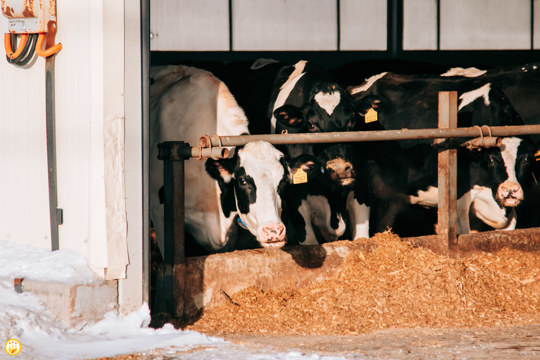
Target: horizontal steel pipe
(358,136)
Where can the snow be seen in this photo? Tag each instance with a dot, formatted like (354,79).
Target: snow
(42,336)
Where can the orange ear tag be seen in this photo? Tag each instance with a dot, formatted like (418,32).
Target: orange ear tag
(299,177)
(371,116)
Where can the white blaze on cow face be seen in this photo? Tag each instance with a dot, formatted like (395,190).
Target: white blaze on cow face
(261,162)
(286,89)
(470,96)
(328,101)
(510,193)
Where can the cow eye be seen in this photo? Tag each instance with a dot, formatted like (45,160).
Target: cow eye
(242,181)
(312,127)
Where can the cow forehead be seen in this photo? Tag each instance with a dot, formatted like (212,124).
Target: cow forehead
(509,153)
(328,100)
(260,158)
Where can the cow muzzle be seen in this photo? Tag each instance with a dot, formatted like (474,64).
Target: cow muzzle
(340,171)
(272,235)
(509,194)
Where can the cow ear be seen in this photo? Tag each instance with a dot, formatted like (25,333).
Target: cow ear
(221,171)
(363,105)
(289,116)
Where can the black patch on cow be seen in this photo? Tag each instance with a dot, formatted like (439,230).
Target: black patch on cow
(246,190)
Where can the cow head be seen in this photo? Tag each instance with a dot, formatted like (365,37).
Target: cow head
(251,182)
(510,167)
(328,108)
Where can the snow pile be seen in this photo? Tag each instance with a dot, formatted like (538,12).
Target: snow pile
(42,336)
(33,263)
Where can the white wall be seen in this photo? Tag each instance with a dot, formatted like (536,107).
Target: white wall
(91,122)
(24,199)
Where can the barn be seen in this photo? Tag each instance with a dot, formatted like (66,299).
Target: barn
(89,112)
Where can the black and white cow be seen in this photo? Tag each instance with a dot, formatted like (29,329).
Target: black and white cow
(306,98)
(314,205)
(404,172)
(186,103)
(520,83)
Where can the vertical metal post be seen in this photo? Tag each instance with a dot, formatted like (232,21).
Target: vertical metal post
(55,212)
(173,265)
(447,212)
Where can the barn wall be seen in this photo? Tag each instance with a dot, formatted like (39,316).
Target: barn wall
(347,25)
(96,118)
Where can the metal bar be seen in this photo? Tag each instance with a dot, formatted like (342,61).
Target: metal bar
(356,136)
(447,173)
(54,213)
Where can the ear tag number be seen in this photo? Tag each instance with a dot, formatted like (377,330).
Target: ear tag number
(371,116)
(300,177)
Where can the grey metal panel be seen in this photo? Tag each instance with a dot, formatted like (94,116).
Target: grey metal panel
(536,30)
(363,25)
(284,25)
(485,25)
(190,25)
(420,25)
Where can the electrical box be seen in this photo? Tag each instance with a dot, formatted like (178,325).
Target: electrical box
(27,16)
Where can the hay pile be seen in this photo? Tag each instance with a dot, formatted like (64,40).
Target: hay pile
(394,286)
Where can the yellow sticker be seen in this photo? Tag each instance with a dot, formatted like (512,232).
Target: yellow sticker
(12,346)
(370,116)
(299,177)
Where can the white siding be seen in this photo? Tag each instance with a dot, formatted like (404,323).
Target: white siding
(284,25)
(89,94)
(189,25)
(420,25)
(485,25)
(363,25)
(24,199)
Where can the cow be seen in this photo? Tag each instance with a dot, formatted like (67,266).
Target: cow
(403,172)
(185,103)
(520,84)
(314,206)
(306,98)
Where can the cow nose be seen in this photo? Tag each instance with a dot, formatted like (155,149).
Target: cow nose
(273,235)
(340,170)
(510,193)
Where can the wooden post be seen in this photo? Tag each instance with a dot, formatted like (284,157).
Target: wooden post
(171,274)
(447,212)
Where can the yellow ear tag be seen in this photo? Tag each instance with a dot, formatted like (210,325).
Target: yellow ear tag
(299,177)
(537,155)
(371,116)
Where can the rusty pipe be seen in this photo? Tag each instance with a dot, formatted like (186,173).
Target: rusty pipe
(360,136)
